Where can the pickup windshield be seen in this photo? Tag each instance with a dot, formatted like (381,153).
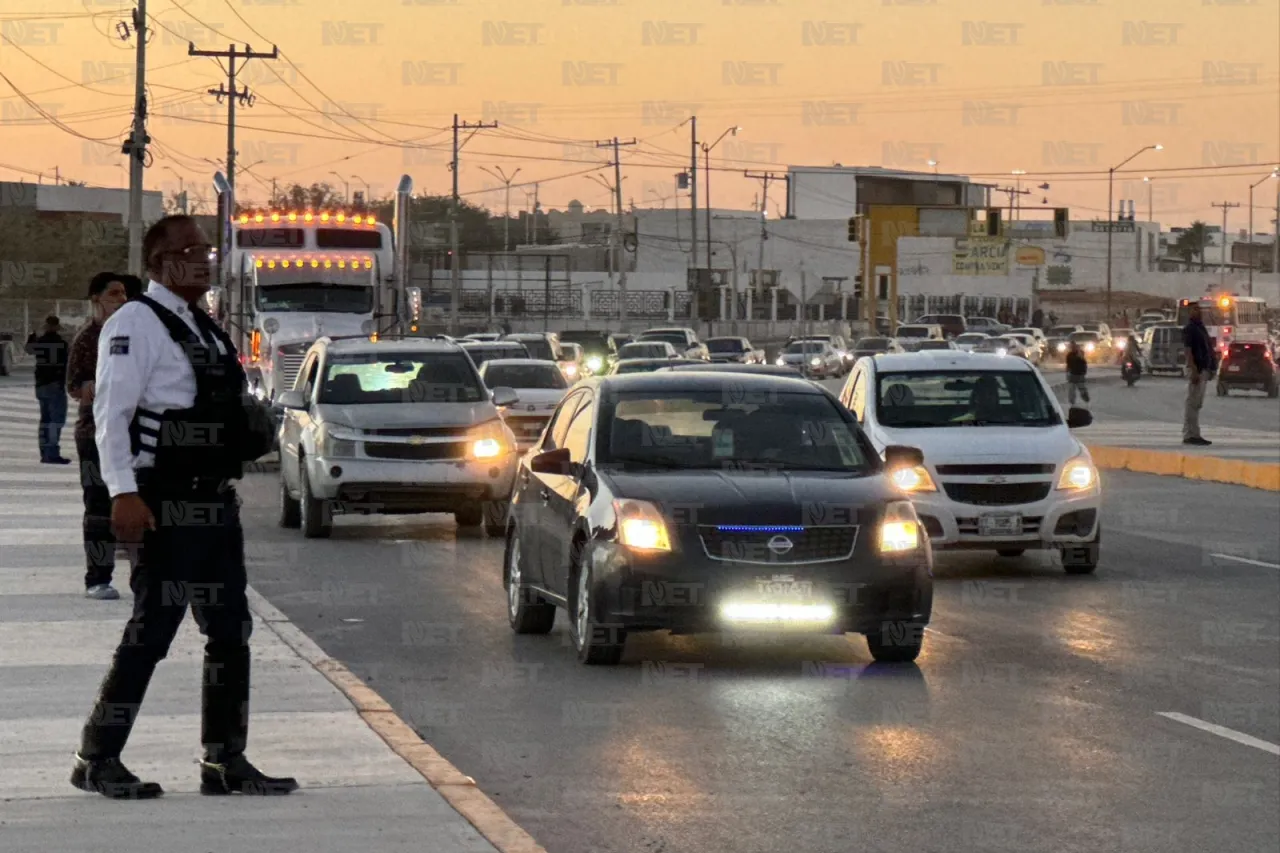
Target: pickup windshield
(354,379)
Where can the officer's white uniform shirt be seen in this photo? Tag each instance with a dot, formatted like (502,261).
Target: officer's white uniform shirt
(139,366)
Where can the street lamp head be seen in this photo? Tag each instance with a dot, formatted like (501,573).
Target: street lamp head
(1019,171)
(933,163)
(1145,179)
(1157,147)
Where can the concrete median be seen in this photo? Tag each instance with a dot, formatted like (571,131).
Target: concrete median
(1239,472)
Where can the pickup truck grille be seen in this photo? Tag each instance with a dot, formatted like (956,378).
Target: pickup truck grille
(434,452)
(407,432)
(995,469)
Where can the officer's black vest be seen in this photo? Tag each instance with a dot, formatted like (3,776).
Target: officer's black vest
(223,429)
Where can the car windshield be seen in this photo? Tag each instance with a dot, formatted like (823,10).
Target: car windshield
(1062,331)
(873,343)
(927,345)
(962,398)
(482,354)
(913,331)
(524,376)
(1030,333)
(676,339)
(403,377)
(538,348)
(643,350)
(1084,337)
(640,366)
(572,352)
(706,429)
(315,296)
(589,341)
(805,347)
(726,345)
(1248,351)
(971,338)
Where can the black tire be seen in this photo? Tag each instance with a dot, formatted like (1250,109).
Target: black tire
(527,613)
(1082,559)
(896,642)
(1274,389)
(495,518)
(290,507)
(1011,552)
(1130,381)
(469,515)
(1222,390)
(317,513)
(595,644)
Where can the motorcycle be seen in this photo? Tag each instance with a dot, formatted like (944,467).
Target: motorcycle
(1130,372)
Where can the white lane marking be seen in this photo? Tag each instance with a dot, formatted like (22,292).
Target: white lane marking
(1221,731)
(1246,560)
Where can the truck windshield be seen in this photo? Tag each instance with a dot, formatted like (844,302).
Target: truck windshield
(316,296)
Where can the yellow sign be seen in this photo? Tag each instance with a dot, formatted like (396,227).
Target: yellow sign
(981,256)
(1030,256)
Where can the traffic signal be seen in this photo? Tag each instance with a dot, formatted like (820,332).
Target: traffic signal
(1061,222)
(855,229)
(993,222)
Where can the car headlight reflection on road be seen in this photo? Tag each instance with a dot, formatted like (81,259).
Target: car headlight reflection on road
(641,526)
(915,479)
(1078,474)
(900,530)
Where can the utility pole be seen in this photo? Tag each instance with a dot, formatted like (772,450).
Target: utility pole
(455,269)
(232,95)
(136,145)
(619,263)
(764,177)
(1222,270)
(693,191)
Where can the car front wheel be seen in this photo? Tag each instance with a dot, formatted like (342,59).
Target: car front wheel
(896,642)
(1082,559)
(495,517)
(526,611)
(469,515)
(290,507)
(595,643)
(317,513)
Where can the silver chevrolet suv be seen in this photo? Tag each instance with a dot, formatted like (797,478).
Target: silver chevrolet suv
(393,427)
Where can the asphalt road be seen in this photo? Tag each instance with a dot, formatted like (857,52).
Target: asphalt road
(1031,723)
(1160,398)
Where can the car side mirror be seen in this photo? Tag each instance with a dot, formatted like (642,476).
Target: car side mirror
(294,400)
(556,462)
(503,396)
(1077,418)
(902,456)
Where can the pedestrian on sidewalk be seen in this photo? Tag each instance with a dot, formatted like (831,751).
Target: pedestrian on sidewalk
(50,351)
(1201,365)
(107,292)
(1077,373)
(166,376)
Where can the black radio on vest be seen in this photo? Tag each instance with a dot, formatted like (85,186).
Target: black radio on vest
(225,427)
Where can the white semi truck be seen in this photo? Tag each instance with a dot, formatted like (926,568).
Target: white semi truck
(289,277)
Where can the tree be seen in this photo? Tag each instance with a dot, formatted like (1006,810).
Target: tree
(1191,244)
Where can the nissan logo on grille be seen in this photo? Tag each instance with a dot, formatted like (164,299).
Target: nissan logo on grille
(780,545)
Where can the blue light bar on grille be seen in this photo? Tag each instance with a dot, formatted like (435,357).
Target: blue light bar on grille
(749,528)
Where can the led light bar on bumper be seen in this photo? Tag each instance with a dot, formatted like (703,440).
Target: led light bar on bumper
(748,612)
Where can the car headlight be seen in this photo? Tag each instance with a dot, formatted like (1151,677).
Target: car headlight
(1088,347)
(816,362)
(1120,343)
(915,479)
(641,526)
(488,442)
(1078,474)
(900,530)
(1002,351)
(571,370)
(781,361)
(1062,347)
(335,443)
(594,364)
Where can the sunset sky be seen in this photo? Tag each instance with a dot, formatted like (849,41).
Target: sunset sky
(369,89)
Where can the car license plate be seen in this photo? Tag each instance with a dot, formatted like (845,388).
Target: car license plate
(1003,524)
(1233,368)
(783,588)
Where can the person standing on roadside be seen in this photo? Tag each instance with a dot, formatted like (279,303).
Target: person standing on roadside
(1201,364)
(107,292)
(174,429)
(1077,373)
(50,351)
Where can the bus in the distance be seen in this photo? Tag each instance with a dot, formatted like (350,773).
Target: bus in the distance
(1229,317)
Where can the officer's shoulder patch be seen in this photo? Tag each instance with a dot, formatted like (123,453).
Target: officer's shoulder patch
(120,345)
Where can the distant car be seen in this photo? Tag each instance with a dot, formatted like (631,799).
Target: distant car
(683,339)
(541,345)
(970,340)
(539,385)
(1104,334)
(1091,344)
(734,350)
(648,365)
(1057,338)
(837,343)
(1248,365)
(482,351)
(953,325)
(815,359)
(912,335)
(929,346)
(481,336)
(595,347)
(1032,349)
(990,325)
(574,362)
(1031,331)
(873,346)
(1002,345)
(647,349)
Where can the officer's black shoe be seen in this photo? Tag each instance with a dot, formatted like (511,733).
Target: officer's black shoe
(110,778)
(238,776)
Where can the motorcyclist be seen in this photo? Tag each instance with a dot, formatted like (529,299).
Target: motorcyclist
(1132,355)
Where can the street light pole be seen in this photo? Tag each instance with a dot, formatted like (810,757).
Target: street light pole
(346,188)
(506,221)
(706,156)
(1272,176)
(1017,203)
(1111,180)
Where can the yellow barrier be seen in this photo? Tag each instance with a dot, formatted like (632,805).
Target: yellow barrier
(1215,469)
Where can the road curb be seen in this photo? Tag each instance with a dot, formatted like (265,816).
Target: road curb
(458,789)
(1214,469)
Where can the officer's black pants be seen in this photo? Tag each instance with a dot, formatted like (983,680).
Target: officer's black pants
(99,542)
(194,558)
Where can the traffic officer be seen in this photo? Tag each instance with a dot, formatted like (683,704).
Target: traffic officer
(171,435)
